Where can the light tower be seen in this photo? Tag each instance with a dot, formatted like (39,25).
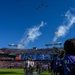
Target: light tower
(58,43)
(47,45)
(14,45)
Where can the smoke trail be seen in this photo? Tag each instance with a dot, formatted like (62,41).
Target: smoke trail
(30,35)
(62,30)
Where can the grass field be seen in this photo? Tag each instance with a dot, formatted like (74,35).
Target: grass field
(16,72)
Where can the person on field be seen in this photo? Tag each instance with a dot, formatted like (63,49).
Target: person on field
(58,64)
(27,64)
(31,67)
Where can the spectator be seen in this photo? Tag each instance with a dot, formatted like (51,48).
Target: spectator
(69,59)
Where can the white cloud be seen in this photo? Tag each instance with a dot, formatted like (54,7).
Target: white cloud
(62,30)
(30,35)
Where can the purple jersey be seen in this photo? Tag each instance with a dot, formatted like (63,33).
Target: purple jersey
(57,63)
(68,64)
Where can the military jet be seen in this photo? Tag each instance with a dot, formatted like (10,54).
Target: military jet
(42,4)
(46,5)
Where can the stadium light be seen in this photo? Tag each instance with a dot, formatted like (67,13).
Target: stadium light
(58,43)
(48,45)
(12,45)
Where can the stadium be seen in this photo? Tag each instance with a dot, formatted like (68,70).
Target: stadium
(37,37)
(11,59)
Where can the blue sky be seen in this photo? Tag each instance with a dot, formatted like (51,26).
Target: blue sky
(16,16)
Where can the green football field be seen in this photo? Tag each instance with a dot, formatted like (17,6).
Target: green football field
(16,72)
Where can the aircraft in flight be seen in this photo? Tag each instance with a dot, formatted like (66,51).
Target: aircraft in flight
(45,5)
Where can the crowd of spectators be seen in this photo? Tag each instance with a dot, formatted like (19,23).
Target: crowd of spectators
(11,64)
(19,64)
(28,51)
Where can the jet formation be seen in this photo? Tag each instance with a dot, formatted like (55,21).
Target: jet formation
(42,5)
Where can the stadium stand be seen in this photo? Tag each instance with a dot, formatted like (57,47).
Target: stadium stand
(44,54)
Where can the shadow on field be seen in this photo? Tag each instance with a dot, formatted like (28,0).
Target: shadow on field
(9,73)
(44,74)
